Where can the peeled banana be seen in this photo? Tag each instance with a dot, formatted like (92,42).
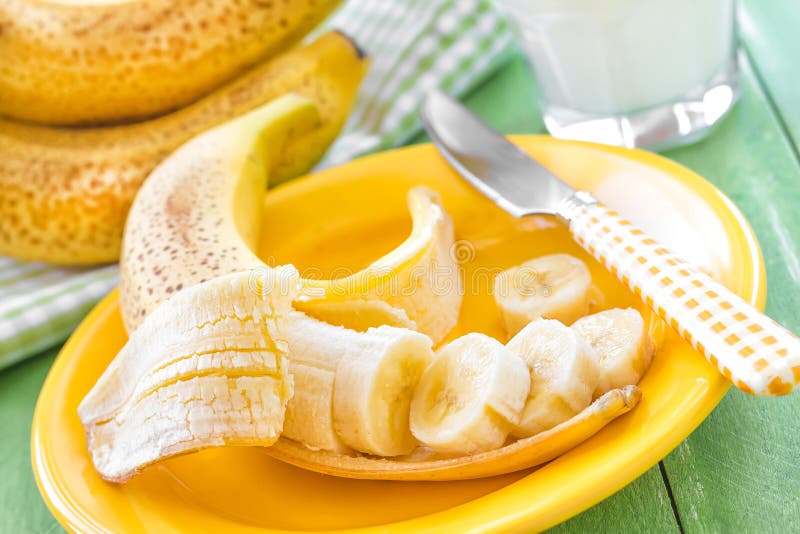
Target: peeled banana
(562,374)
(207,368)
(85,61)
(353,389)
(556,286)
(470,397)
(65,193)
(622,346)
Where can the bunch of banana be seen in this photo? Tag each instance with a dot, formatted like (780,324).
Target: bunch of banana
(65,192)
(84,61)
(207,368)
(556,286)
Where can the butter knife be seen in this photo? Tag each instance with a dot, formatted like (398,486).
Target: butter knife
(754,352)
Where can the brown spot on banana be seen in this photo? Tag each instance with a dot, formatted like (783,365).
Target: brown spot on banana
(65,193)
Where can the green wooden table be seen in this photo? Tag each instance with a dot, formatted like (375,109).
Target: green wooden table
(740,470)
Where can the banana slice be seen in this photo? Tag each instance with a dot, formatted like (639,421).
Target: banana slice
(470,397)
(621,344)
(206,368)
(353,389)
(551,287)
(562,374)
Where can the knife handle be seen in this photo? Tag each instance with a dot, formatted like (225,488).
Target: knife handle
(754,352)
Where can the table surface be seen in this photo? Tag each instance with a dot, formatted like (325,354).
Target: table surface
(740,470)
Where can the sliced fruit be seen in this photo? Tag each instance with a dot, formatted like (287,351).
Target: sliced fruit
(353,389)
(521,454)
(470,397)
(556,286)
(622,346)
(562,374)
(420,277)
(206,368)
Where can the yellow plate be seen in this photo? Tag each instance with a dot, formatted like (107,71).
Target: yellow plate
(343,218)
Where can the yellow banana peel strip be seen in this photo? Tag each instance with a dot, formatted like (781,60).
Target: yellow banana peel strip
(522,454)
(416,285)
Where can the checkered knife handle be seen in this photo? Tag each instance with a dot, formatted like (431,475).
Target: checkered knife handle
(754,352)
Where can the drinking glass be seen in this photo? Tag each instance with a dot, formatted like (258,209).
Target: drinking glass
(635,73)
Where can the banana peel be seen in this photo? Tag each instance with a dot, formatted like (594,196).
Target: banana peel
(417,285)
(522,454)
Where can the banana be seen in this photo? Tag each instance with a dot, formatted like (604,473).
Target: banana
(65,193)
(556,286)
(621,343)
(470,396)
(563,374)
(420,277)
(353,389)
(207,368)
(84,61)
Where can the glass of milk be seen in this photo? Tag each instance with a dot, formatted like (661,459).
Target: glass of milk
(652,73)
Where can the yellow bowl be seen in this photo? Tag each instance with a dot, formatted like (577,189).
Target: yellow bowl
(339,220)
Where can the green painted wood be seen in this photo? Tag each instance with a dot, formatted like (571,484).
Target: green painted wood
(643,506)
(21,508)
(770,31)
(740,471)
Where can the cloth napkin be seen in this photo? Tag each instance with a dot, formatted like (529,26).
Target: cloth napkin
(415,45)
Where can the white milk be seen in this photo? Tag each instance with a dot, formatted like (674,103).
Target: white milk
(607,57)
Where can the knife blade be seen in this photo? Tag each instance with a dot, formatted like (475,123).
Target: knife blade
(756,353)
(496,167)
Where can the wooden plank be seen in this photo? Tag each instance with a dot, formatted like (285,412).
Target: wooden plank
(740,471)
(21,507)
(643,506)
(770,31)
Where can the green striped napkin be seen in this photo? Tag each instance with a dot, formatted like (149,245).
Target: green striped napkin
(415,45)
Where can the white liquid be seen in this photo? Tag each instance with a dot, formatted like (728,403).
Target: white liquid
(609,57)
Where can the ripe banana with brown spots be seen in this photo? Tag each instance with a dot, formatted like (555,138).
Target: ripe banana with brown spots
(65,193)
(87,61)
